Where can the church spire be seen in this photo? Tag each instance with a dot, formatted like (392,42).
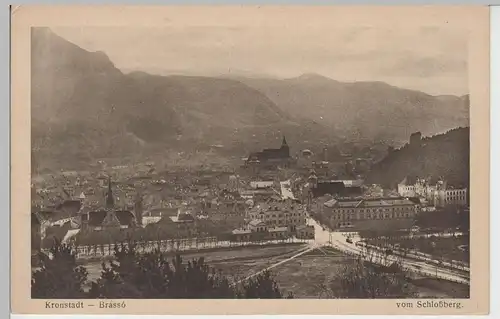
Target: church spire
(284,143)
(110,200)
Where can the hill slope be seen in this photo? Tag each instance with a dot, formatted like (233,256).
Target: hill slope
(83,107)
(445,155)
(374,110)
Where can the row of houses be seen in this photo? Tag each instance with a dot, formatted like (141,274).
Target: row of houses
(258,230)
(281,218)
(275,213)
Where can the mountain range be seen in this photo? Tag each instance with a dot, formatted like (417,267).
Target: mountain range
(84,108)
(365,109)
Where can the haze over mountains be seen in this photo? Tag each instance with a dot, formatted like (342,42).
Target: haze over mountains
(366,109)
(83,108)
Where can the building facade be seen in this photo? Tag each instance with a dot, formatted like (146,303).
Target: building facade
(437,195)
(279,214)
(375,213)
(455,196)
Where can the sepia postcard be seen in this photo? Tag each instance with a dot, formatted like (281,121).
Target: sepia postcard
(250,160)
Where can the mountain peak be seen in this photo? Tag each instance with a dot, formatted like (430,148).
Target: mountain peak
(312,76)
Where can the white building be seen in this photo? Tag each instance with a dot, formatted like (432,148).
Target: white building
(454,196)
(437,195)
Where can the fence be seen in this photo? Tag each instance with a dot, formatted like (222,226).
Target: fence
(415,254)
(387,261)
(174,245)
(453,264)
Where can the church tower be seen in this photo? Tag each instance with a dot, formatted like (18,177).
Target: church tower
(284,147)
(110,200)
(138,208)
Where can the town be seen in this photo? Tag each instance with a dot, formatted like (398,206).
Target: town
(277,197)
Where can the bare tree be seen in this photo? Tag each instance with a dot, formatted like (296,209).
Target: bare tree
(363,280)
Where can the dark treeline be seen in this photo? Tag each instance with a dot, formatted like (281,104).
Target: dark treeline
(151,276)
(141,276)
(445,155)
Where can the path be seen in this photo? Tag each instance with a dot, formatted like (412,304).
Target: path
(302,252)
(286,191)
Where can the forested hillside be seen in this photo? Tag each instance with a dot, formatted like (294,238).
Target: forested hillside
(445,155)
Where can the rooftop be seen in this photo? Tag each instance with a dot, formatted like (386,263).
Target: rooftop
(346,182)
(241,231)
(255,222)
(278,229)
(371,202)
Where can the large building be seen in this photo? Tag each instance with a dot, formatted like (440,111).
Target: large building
(276,219)
(109,216)
(439,194)
(366,214)
(283,213)
(271,156)
(342,188)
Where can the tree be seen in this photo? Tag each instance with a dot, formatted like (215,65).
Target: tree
(117,278)
(59,275)
(143,276)
(262,286)
(363,280)
(150,275)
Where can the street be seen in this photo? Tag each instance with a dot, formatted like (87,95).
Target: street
(337,240)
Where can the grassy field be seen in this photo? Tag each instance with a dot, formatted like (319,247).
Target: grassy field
(304,275)
(436,288)
(233,262)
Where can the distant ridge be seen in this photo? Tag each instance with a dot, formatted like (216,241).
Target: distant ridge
(373,110)
(83,108)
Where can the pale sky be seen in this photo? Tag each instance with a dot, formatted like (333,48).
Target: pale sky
(430,58)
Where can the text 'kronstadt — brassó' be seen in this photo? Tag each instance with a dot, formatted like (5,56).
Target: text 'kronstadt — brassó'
(80,305)
(64,305)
